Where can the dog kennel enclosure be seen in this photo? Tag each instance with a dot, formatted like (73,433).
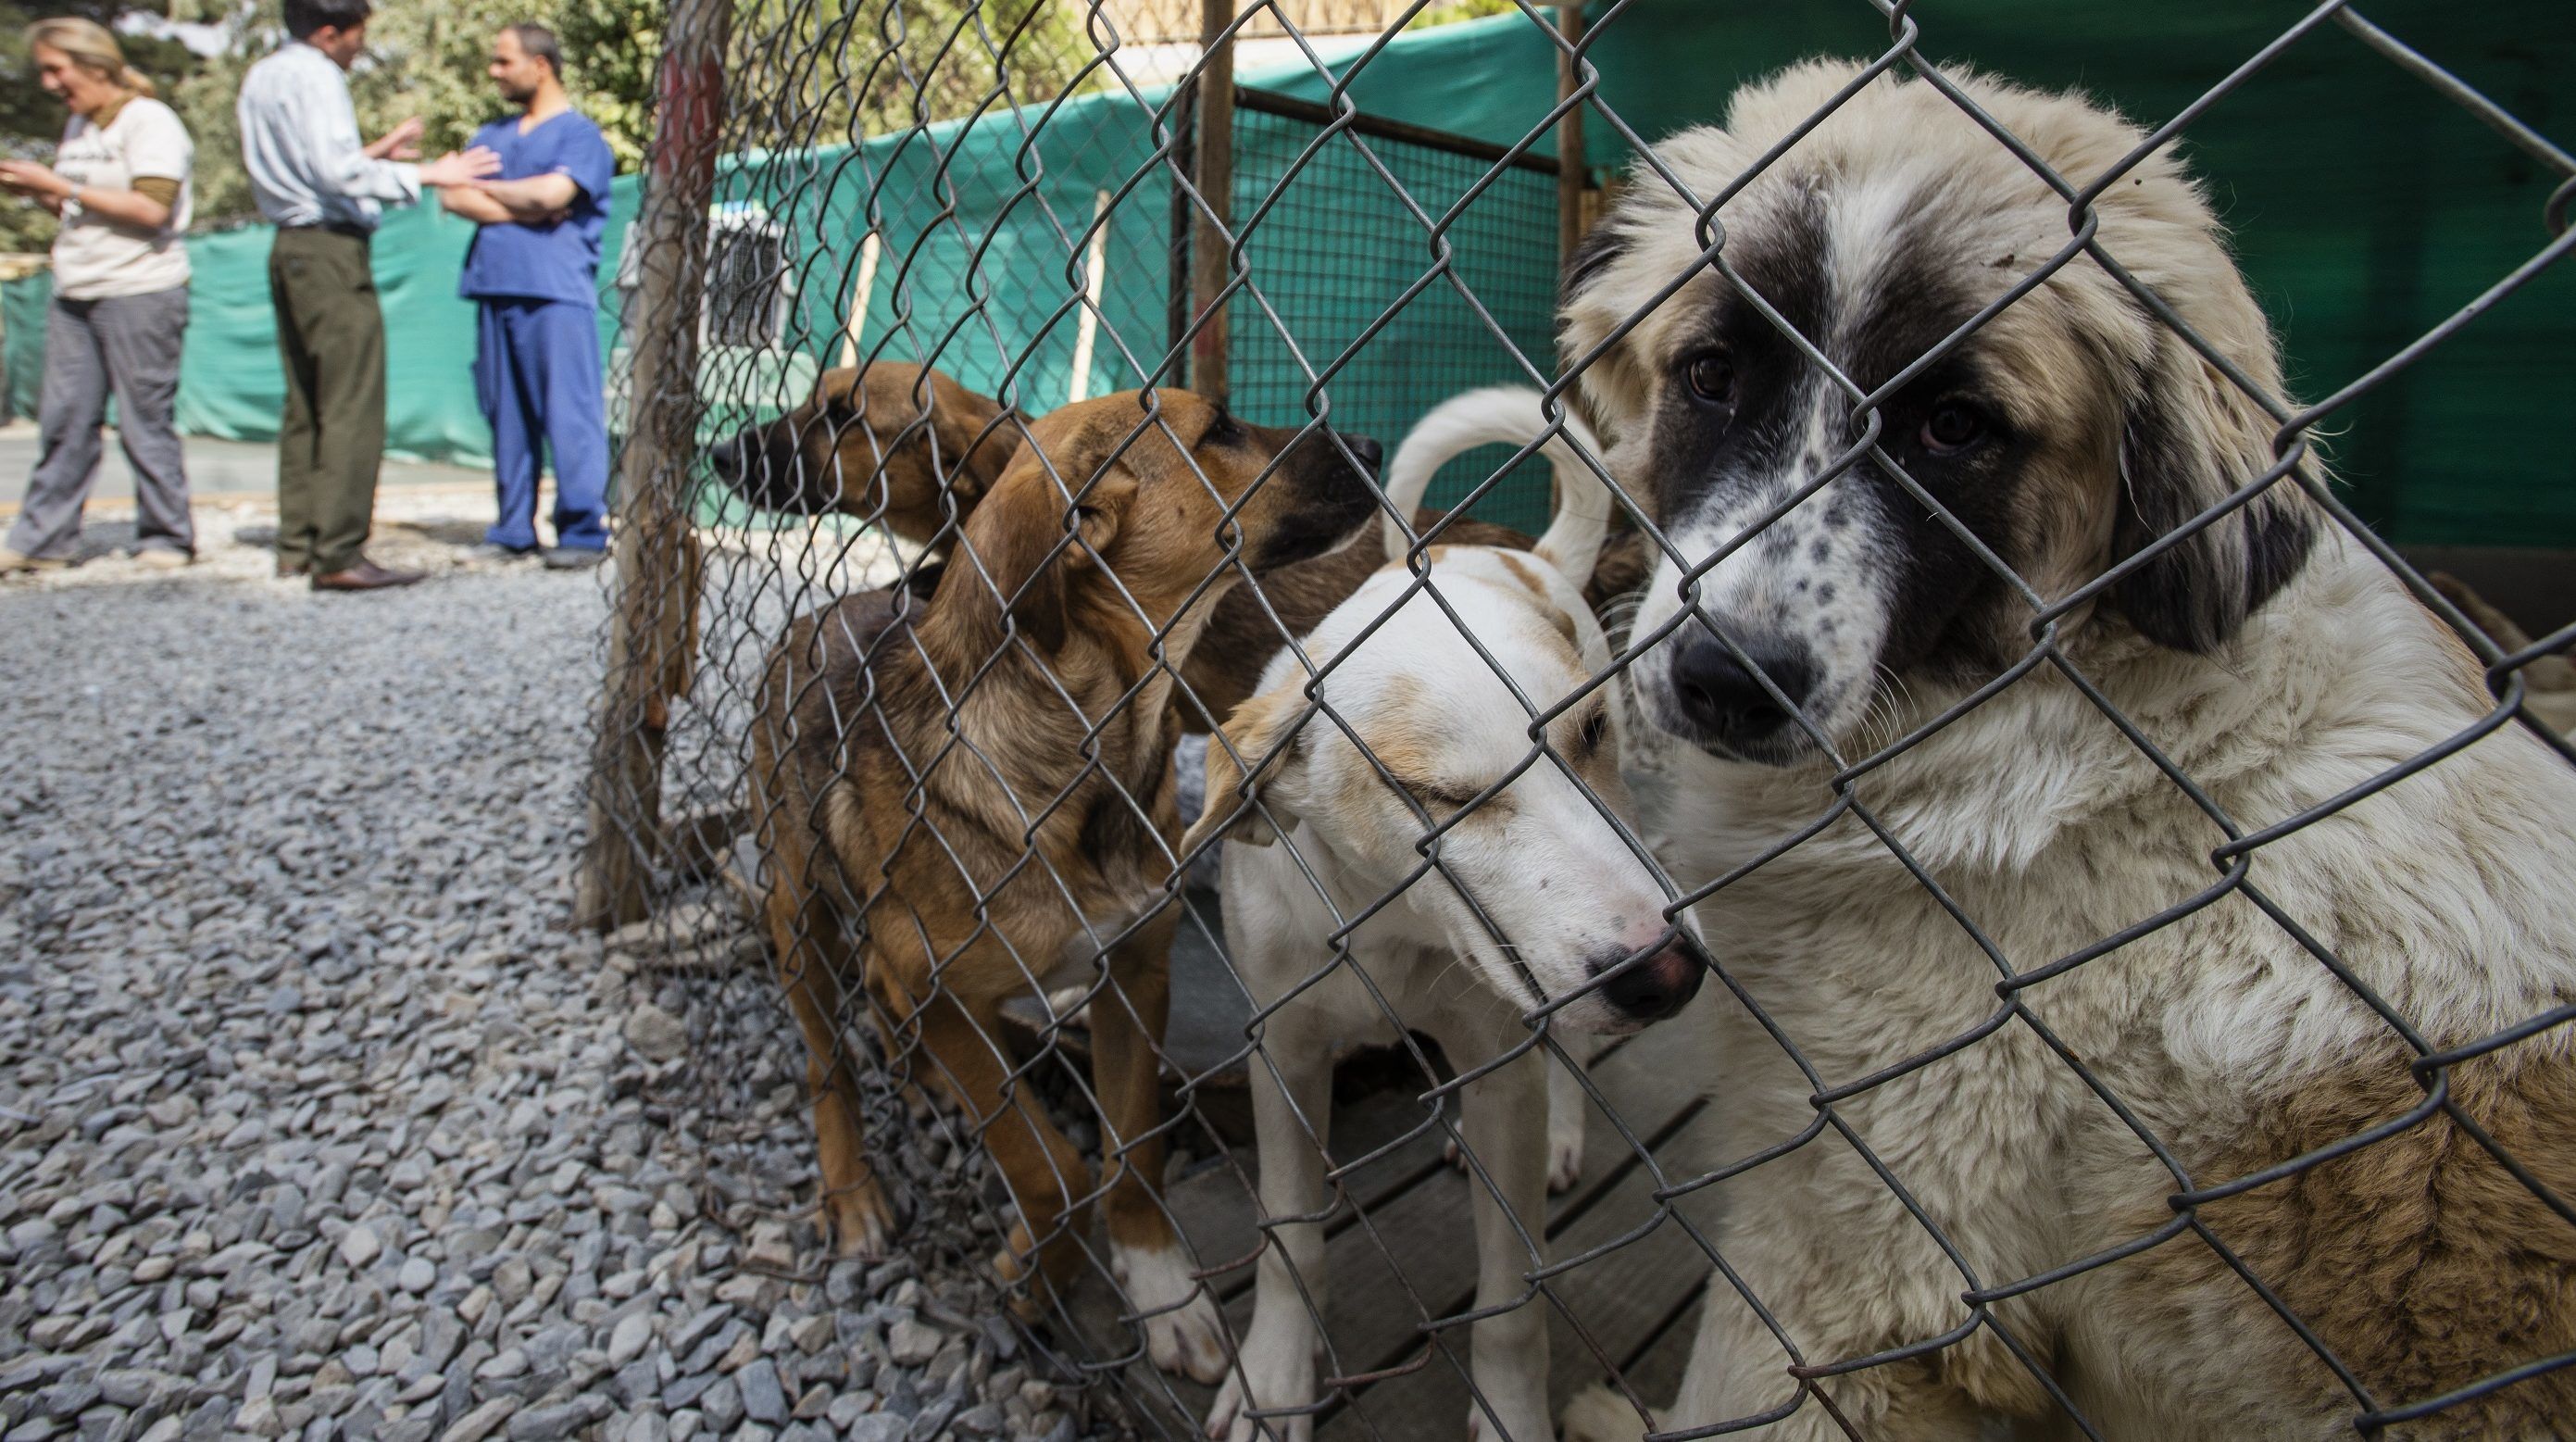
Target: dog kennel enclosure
(1335,216)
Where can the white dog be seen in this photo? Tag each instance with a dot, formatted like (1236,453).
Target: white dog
(1577,924)
(2268,657)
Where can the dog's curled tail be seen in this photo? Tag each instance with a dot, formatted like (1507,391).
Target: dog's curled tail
(1506,415)
(1598,1414)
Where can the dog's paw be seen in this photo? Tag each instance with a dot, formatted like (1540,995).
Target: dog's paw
(1182,1330)
(861,1219)
(1598,1414)
(1024,1290)
(1481,1428)
(1189,1342)
(1276,1379)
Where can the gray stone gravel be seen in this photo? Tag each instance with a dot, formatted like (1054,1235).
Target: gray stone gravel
(315,1119)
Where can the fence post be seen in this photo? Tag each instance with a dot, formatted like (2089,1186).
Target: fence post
(652,630)
(1211,254)
(1572,176)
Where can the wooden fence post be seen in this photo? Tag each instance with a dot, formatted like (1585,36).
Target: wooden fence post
(1573,177)
(652,631)
(1211,253)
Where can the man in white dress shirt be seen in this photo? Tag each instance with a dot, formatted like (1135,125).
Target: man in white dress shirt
(325,193)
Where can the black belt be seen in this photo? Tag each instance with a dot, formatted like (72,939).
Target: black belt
(336,227)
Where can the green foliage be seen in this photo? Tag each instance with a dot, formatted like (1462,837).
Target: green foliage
(428,60)
(839,71)
(828,71)
(32,121)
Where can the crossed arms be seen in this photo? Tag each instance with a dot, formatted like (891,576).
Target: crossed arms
(537,200)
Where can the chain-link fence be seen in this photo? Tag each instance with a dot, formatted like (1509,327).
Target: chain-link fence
(1990,898)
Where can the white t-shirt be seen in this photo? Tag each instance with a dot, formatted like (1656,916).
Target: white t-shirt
(95,257)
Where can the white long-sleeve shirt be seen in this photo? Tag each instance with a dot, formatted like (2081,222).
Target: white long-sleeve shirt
(299,139)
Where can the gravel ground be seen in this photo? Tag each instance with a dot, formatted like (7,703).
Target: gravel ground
(316,1121)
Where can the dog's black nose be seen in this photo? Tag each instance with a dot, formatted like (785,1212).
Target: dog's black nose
(1370,455)
(729,454)
(1728,702)
(1656,987)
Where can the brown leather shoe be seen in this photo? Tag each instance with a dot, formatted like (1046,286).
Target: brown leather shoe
(365,575)
(289,569)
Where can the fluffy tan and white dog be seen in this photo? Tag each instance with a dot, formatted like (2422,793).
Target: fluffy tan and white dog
(2268,657)
(1537,903)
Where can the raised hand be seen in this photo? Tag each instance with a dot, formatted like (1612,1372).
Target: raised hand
(27,177)
(400,143)
(460,167)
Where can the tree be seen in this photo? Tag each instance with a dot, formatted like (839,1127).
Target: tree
(426,58)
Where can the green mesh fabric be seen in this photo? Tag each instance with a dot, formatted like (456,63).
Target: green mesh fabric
(2365,208)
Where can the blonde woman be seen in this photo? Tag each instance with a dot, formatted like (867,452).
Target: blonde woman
(120,183)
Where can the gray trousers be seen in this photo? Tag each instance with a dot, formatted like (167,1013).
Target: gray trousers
(127,345)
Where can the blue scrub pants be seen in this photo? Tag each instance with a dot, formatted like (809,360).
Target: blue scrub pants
(536,371)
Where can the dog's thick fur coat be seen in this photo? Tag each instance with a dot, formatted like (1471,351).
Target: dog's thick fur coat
(2269,658)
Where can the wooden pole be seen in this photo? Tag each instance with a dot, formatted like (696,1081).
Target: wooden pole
(1572,176)
(652,632)
(1213,174)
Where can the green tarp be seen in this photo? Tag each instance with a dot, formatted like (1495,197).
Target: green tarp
(230,383)
(2365,208)
(22,344)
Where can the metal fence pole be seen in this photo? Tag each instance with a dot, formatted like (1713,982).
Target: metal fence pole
(652,633)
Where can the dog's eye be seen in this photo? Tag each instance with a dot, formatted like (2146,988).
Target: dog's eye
(1712,378)
(1438,799)
(1225,430)
(1952,427)
(1596,728)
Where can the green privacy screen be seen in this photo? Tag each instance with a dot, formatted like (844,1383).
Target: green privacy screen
(2365,208)
(230,383)
(1348,316)
(22,344)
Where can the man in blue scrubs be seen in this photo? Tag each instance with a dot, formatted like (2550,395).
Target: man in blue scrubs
(533,270)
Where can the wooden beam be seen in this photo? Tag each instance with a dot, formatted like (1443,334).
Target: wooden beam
(1573,177)
(1214,178)
(1095,274)
(653,630)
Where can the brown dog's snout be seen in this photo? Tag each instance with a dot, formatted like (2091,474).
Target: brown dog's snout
(1317,498)
(1652,987)
(730,453)
(1349,492)
(761,464)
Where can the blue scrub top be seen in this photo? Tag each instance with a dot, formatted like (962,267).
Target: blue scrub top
(544,262)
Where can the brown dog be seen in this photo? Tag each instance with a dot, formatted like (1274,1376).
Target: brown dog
(880,442)
(964,797)
(876,443)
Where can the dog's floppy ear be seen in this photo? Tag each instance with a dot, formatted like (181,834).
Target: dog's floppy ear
(1019,539)
(983,454)
(978,436)
(2189,438)
(1252,732)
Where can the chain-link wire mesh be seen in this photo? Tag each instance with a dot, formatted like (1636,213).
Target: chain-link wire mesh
(2137,974)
